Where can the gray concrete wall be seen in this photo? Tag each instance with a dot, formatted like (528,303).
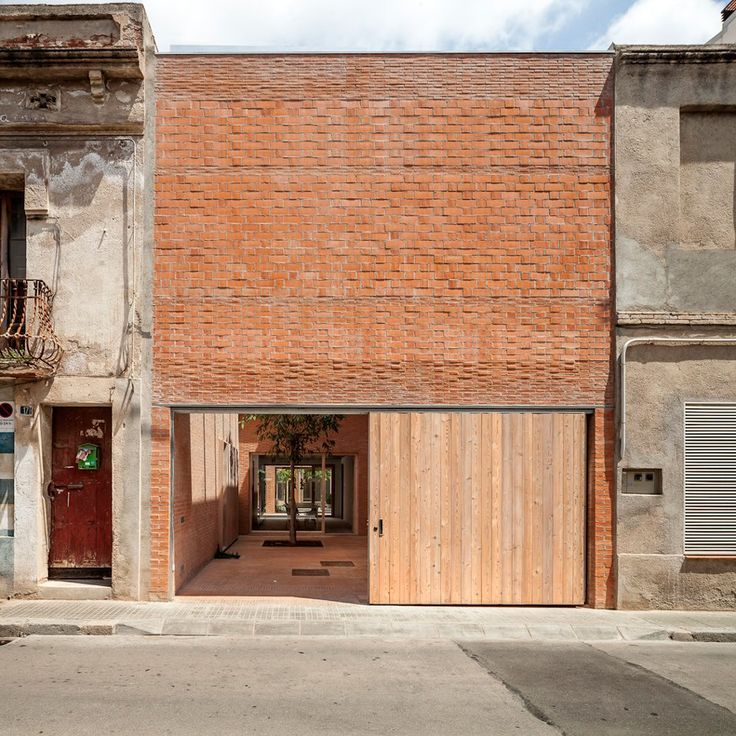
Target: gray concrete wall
(89,237)
(675,148)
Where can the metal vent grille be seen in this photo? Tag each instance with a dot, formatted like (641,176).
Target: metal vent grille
(710,479)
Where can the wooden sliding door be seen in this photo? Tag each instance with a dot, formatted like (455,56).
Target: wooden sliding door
(477,508)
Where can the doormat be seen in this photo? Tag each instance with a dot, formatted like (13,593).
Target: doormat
(286,543)
(337,563)
(319,572)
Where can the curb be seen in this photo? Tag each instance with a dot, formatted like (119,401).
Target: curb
(720,637)
(161,628)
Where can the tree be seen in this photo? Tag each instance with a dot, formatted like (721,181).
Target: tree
(294,436)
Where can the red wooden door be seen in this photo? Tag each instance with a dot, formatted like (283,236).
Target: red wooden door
(81,500)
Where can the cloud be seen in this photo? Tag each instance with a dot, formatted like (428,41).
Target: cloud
(360,25)
(664,22)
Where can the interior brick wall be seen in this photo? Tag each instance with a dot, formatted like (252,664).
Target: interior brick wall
(387,229)
(351,439)
(205,507)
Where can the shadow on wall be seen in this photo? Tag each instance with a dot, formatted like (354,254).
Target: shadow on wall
(205,511)
(708,567)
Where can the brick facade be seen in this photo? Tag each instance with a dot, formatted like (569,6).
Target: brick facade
(388,230)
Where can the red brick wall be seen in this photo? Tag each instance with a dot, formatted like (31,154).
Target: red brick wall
(351,439)
(430,229)
(160,495)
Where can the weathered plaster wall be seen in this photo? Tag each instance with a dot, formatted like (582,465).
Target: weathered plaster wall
(653,572)
(675,265)
(89,237)
(655,268)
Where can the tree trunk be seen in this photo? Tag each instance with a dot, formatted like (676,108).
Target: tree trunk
(292,506)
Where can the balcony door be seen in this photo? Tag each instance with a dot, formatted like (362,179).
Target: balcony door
(12,235)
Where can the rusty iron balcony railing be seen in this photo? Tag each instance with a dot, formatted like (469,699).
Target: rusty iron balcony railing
(28,346)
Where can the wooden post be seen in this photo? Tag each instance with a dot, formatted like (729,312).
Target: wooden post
(323,494)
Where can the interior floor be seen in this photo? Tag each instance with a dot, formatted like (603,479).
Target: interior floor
(281,523)
(267,571)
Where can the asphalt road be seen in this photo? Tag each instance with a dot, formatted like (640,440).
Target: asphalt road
(178,685)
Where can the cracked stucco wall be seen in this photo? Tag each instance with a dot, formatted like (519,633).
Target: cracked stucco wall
(675,153)
(93,246)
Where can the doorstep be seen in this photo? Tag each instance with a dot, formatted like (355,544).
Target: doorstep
(75,590)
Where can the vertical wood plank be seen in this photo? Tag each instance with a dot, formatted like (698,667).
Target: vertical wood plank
(486,506)
(547,493)
(414,527)
(476,519)
(374,489)
(435,507)
(446,491)
(455,475)
(526,542)
(405,547)
(392,520)
(496,492)
(424,559)
(466,492)
(558,527)
(579,508)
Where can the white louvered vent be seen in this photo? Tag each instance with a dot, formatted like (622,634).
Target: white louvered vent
(710,479)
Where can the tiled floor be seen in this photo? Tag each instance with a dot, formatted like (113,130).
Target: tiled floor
(266,571)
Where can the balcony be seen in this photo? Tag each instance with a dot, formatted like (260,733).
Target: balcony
(28,346)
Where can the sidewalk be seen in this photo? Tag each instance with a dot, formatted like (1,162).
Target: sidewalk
(293,617)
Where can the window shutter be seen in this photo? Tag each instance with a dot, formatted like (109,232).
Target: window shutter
(710,479)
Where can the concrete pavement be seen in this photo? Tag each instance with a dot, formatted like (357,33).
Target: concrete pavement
(201,685)
(582,689)
(294,617)
(122,685)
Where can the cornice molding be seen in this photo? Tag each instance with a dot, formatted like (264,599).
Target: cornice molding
(714,54)
(48,64)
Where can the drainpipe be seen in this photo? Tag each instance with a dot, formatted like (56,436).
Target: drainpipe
(725,341)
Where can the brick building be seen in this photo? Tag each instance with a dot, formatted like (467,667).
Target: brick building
(384,233)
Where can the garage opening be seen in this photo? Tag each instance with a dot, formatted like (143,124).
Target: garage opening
(405,507)
(231,511)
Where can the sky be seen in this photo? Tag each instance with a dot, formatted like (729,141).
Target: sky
(430,25)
